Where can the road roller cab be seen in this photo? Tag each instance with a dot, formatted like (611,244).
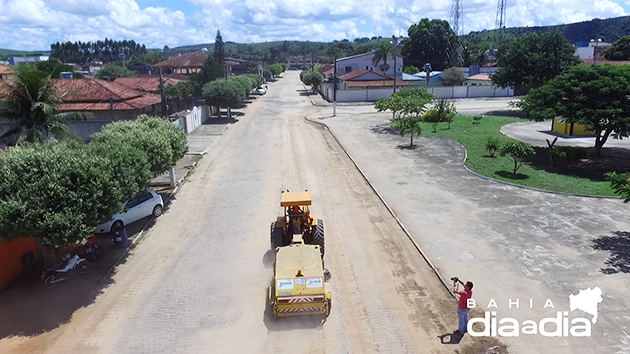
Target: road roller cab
(300,284)
(297,220)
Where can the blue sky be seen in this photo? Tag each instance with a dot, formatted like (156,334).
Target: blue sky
(34,24)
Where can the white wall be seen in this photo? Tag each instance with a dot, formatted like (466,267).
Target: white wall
(585,52)
(193,118)
(365,61)
(443,92)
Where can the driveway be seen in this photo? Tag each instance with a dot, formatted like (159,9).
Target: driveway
(511,242)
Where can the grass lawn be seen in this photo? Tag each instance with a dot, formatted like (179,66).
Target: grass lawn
(538,174)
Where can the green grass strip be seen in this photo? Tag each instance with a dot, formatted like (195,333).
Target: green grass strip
(473,137)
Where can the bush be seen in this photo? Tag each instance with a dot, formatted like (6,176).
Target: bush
(411,70)
(569,153)
(453,77)
(163,143)
(519,152)
(267,74)
(443,111)
(492,145)
(477,119)
(311,77)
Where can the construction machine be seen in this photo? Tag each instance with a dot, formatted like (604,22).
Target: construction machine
(297,220)
(300,285)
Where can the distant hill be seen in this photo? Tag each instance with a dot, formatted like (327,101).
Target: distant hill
(609,30)
(11,52)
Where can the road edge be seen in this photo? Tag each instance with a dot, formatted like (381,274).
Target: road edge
(389,209)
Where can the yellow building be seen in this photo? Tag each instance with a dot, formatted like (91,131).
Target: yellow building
(560,126)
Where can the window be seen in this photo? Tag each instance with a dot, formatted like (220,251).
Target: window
(384,67)
(348,69)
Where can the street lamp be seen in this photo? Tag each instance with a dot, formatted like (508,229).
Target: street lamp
(595,50)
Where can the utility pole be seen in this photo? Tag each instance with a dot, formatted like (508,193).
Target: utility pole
(335,89)
(162,96)
(395,72)
(111,108)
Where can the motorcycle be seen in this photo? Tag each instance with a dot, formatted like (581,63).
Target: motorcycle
(52,276)
(92,247)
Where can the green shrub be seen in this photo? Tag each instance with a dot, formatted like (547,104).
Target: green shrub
(492,145)
(477,119)
(443,111)
(519,152)
(569,153)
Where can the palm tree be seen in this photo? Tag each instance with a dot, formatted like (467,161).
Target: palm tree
(31,103)
(382,52)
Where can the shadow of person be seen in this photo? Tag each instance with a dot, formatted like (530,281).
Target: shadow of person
(453,338)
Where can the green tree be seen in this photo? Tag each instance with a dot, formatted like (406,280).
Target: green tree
(411,125)
(519,152)
(267,74)
(53,67)
(620,50)
(31,104)
(223,93)
(620,184)
(411,70)
(381,54)
(311,77)
(113,71)
(453,77)
(429,41)
(474,52)
(56,192)
(407,102)
(596,96)
(162,142)
(210,71)
(530,61)
(219,49)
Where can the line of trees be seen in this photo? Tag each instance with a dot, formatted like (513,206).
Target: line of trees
(106,51)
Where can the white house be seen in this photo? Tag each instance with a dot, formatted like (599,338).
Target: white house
(364,62)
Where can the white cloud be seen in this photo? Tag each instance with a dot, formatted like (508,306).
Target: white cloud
(34,24)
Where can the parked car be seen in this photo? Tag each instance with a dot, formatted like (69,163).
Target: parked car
(146,204)
(261,90)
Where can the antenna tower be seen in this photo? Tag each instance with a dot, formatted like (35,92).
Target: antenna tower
(457,25)
(457,17)
(499,33)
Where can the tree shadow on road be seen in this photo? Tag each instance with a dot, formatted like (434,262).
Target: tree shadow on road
(619,248)
(510,175)
(28,308)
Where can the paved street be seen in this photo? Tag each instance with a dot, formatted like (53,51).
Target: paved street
(513,243)
(197,283)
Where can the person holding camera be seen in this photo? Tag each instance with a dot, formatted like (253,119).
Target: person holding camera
(462,308)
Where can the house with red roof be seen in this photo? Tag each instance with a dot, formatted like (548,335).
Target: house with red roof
(107,101)
(146,84)
(184,64)
(5,72)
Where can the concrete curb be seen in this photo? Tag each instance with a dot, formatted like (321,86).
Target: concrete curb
(402,226)
(518,185)
(141,235)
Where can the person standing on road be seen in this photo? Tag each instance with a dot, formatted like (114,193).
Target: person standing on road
(462,308)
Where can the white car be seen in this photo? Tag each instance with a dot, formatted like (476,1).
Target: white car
(261,90)
(146,204)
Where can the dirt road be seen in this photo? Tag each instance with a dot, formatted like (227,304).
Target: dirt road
(198,282)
